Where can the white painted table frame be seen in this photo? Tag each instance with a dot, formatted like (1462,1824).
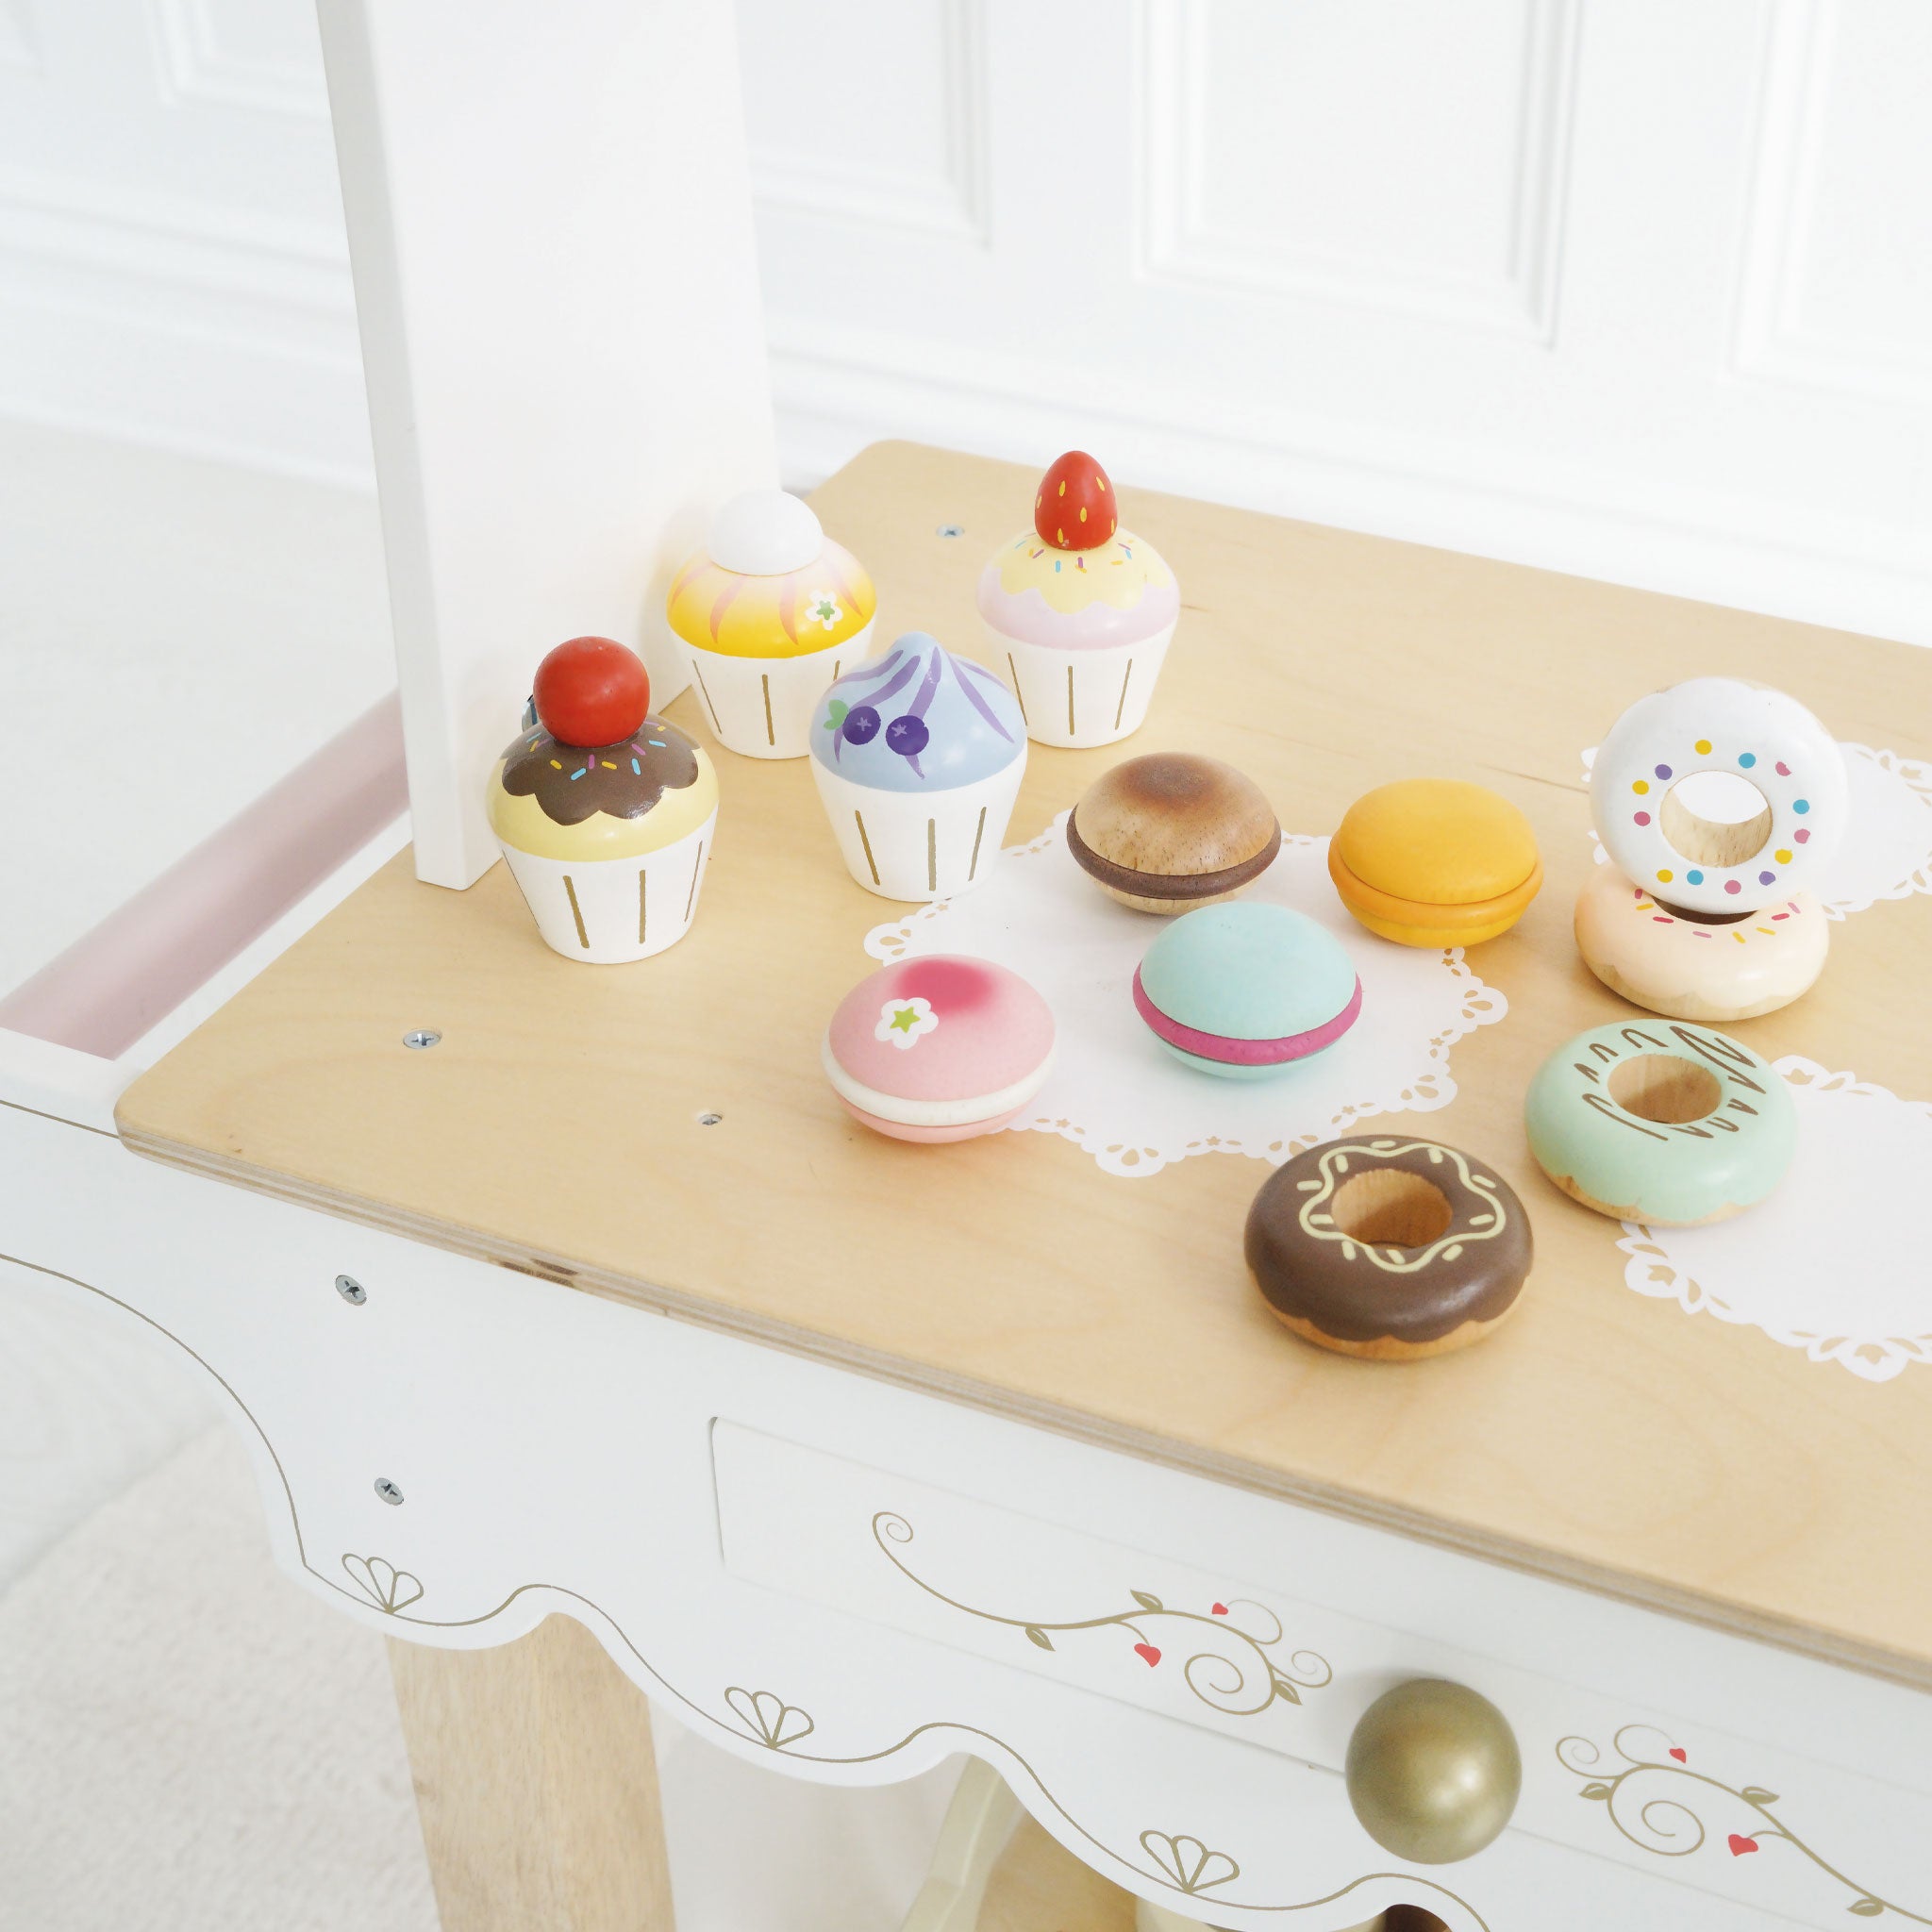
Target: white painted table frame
(832,1577)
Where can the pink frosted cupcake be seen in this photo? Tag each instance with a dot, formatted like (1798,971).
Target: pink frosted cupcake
(1081,612)
(938,1048)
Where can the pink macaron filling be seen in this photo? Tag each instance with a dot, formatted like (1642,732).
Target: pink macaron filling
(1247,1053)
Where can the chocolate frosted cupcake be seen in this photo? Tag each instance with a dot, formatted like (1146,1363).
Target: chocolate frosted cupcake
(607,842)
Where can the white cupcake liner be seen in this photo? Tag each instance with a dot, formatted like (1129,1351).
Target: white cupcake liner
(1082,698)
(610,910)
(920,845)
(763,706)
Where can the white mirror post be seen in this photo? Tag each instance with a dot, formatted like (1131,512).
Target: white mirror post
(549,217)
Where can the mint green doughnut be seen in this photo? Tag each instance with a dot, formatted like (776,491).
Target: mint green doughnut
(1674,1173)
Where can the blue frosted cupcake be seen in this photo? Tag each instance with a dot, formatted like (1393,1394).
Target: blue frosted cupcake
(918,755)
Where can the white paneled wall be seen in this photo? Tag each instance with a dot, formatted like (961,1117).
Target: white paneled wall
(1624,285)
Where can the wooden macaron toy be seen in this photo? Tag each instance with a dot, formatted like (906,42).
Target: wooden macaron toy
(1388,1248)
(1435,862)
(1704,918)
(1245,990)
(1171,831)
(942,1047)
(1667,1123)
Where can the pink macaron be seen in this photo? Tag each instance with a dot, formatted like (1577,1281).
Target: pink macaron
(938,1048)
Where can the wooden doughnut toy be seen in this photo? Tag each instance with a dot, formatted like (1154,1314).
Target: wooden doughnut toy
(1757,738)
(1435,862)
(942,1047)
(1671,1125)
(1691,968)
(1245,990)
(1170,832)
(1388,1248)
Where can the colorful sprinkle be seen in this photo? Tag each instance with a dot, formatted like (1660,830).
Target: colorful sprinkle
(1703,747)
(1640,785)
(1780,915)
(637,768)
(1733,886)
(1694,878)
(575,775)
(1802,835)
(557,764)
(660,744)
(1657,919)
(1747,759)
(1801,805)
(1663,771)
(1784,771)
(1782,855)
(607,764)
(1663,878)
(1642,818)
(1767,878)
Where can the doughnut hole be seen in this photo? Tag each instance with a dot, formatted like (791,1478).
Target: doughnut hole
(1715,818)
(1665,1088)
(1391,1208)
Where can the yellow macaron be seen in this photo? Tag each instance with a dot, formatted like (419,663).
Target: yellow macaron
(1435,862)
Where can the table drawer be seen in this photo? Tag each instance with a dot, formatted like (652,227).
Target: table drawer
(1260,1653)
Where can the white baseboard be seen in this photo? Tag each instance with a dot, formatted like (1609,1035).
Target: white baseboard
(836,390)
(148,322)
(240,347)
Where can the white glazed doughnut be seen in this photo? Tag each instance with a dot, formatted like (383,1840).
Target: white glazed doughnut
(1719,724)
(1693,971)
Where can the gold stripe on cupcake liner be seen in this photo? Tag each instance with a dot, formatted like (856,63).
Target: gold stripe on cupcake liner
(1017,698)
(867,844)
(979,833)
(583,938)
(932,856)
(1120,711)
(690,898)
(1070,701)
(697,672)
(643,879)
(765,680)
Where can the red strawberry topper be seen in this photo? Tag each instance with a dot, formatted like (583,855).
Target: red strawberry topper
(1075,510)
(591,692)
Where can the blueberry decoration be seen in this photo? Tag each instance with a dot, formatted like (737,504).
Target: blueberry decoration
(861,725)
(908,736)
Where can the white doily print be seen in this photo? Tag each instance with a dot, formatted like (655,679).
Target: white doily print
(1116,1093)
(1887,850)
(1827,1263)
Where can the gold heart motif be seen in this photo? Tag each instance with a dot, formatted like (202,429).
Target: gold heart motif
(767,1717)
(1189,1862)
(385,1586)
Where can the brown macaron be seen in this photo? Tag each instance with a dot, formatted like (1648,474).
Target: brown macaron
(1171,831)
(1389,1248)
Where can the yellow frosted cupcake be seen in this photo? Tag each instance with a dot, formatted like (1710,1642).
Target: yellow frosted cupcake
(767,614)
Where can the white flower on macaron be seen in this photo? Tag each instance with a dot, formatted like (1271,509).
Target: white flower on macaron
(904,1021)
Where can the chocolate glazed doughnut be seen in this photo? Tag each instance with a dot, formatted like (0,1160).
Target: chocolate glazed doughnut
(1389,1249)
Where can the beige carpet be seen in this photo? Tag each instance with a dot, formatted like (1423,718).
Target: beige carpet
(189,1742)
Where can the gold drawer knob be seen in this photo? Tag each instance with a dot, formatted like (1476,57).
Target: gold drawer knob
(1433,1771)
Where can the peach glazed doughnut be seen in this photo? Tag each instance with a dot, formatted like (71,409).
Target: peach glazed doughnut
(1388,1248)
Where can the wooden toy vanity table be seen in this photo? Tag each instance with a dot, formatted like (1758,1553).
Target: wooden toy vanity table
(860,1454)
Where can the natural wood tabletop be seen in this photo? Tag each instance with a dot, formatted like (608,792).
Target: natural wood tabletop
(1600,1437)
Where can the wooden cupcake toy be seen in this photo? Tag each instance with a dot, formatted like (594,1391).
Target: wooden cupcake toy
(918,756)
(605,814)
(942,1047)
(1388,1248)
(1435,862)
(767,614)
(1245,990)
(1670,1124)
(1080,610)
(1698,915)
(1170,832)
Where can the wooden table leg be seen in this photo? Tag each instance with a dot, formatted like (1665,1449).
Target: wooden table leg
(536,1785)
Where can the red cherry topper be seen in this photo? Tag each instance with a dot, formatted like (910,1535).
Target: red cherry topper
(591,692)
(1075,510)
